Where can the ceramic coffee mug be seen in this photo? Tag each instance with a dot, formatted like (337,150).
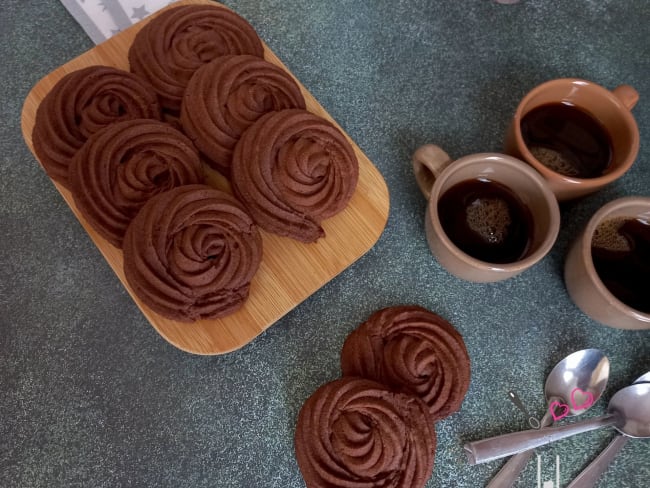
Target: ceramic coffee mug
(436,173)
(585,287)
(610,108)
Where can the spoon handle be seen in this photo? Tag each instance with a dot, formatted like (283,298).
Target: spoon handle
(500,446)
(590,475)
(511,470)
(507,476)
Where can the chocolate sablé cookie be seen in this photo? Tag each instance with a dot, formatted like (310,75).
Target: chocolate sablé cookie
(173,45)
(357,433)
(121,167)
(191,253)
(81,104)
(226,96)
(412,350)
(293,169)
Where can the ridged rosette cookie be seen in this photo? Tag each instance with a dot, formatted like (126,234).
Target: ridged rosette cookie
(356,433)
(191,253)
(173,45)
(81,104)
(293,169)
(226,96)
(413,350)
(121,167)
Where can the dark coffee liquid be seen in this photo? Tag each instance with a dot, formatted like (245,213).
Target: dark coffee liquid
(486,220)
(567,140)
(621,254)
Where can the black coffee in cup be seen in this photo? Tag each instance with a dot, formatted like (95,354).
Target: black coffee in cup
(486,220)
(567,140)
(620,250)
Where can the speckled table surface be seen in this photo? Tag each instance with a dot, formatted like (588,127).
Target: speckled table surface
(90,395)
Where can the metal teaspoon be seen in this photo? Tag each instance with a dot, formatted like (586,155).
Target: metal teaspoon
(590,475)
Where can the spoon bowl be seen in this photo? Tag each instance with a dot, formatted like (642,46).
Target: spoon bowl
(585,372)
(643,379)
(631,408)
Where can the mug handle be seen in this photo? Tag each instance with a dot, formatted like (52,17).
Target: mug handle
(627,95)
(428,162)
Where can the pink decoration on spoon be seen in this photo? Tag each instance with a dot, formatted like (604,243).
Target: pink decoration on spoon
(585,399)
(564,408)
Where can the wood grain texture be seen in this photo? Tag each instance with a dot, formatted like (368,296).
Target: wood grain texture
(290,271)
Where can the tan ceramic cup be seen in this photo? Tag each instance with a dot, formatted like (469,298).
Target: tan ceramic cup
(436,173)
(611,108)
(583,284)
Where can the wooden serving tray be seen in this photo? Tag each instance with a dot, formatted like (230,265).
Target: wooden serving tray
(290,271)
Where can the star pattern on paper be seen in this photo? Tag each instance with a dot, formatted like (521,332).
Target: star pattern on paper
(139,13)
(102,4)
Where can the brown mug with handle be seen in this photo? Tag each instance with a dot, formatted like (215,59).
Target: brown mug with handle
(436,174)
(610,109)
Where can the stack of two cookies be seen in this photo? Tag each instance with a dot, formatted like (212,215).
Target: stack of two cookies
(403,369)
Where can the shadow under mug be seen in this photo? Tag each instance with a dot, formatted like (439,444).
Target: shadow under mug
(611,108)
(585,287)
(436,173)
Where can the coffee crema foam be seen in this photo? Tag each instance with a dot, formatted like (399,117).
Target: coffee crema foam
(567,139)
(490,218)
(554,160)
(607,235)
(486,220)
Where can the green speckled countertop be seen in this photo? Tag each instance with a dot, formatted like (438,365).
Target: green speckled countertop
(92,396)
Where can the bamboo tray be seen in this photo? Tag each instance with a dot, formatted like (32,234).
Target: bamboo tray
(290,271)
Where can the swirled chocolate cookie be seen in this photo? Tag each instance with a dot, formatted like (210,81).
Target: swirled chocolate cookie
(357,433)
(293,169)
(227,96)
(121,167)
(82,103)
(412,350)
(191,253)
(173,45)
